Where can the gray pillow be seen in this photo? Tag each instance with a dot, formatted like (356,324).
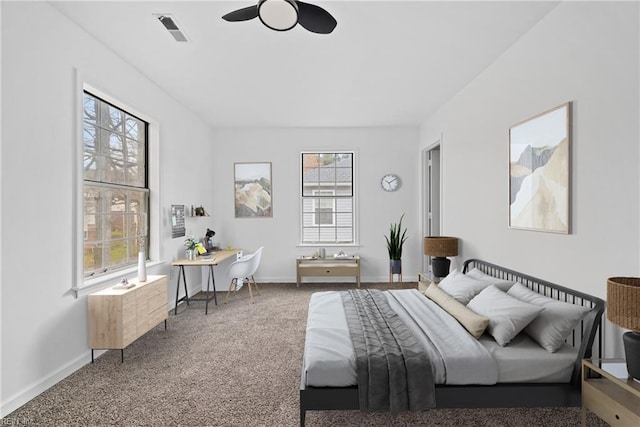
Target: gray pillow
(553,325)
(501,284)
(461,287)
(507,315)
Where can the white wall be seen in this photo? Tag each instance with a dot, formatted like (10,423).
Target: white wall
(583,52)
(44,333)
(378,151)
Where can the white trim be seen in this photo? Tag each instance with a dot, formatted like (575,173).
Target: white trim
(12,403)
(98,283)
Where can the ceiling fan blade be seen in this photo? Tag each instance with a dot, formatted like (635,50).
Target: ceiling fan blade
(243,14)
(315,19)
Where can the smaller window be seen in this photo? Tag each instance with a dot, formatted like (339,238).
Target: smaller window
(327,198)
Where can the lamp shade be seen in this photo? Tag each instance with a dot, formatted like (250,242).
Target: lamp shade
(623,302)
(440,246)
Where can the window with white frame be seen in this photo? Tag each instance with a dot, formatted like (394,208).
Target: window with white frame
(115,187)
(327,198)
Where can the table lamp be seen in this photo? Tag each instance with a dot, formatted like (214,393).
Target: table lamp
(623,309)
(440,247)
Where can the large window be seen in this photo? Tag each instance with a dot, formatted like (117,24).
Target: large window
(115,187)
(327,198)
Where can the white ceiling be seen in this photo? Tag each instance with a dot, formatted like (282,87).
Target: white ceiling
(387,63)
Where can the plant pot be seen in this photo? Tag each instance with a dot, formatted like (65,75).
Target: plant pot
(191,254)
(395,265)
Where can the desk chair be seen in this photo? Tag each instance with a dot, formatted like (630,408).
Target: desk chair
(243,270)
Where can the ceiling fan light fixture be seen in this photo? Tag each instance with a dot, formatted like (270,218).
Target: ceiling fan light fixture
(279,15)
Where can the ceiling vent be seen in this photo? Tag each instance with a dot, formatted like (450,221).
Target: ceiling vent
(170,24)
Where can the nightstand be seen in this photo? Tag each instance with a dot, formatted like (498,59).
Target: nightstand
(609,392)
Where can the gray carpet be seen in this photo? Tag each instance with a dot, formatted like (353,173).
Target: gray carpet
(237,366)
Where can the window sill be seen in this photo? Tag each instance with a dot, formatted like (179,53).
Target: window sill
(96,284)
(328,245)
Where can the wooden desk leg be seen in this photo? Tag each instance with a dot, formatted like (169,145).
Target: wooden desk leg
(358,279)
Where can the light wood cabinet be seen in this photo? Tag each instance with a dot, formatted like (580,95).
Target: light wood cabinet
(609,392)
(117,317)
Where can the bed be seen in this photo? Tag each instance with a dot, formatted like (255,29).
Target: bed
(329,381)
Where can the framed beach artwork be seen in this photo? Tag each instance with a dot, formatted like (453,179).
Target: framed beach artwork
(252,190)
(539,161)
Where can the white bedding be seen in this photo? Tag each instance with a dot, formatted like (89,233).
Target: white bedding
(329,359)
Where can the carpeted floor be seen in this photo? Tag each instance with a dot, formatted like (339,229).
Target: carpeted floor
(238,366)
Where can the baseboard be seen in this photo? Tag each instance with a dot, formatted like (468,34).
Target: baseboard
(17,400)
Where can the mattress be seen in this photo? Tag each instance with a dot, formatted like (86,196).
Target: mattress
(329,358)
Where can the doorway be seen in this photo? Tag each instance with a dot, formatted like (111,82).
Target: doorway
(432,195)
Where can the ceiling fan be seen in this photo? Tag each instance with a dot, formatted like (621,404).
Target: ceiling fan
(283,15)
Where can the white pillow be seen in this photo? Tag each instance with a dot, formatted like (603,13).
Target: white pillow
(554,324)
(461,287)
(471,321)
(507,315)
(501,284)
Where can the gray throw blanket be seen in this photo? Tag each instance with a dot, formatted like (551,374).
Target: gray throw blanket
(394,372)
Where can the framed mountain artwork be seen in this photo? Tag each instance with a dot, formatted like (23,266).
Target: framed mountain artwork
(252,190)
(539,162)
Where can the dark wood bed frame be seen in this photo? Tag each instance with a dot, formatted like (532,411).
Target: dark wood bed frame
(587,337)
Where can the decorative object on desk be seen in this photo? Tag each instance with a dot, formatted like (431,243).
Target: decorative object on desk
(208,240)
(395,241)
(440,247)
(177,221)
(539,171)
(191,246)
(623,309)
(252,190)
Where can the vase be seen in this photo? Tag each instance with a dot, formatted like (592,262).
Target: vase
(396,266)
(191,254)
(142,267)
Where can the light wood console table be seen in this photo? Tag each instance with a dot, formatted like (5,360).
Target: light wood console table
(309,266)
(609,392)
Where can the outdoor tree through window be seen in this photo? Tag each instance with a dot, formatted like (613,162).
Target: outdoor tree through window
(115,189)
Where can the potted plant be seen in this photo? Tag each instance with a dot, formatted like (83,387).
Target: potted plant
(191,245)
(395,241)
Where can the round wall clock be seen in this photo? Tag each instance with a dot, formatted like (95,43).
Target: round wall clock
(390,182)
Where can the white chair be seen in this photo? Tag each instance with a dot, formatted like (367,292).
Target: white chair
(243,270)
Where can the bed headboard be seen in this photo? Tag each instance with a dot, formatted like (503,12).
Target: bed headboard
(587,335)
